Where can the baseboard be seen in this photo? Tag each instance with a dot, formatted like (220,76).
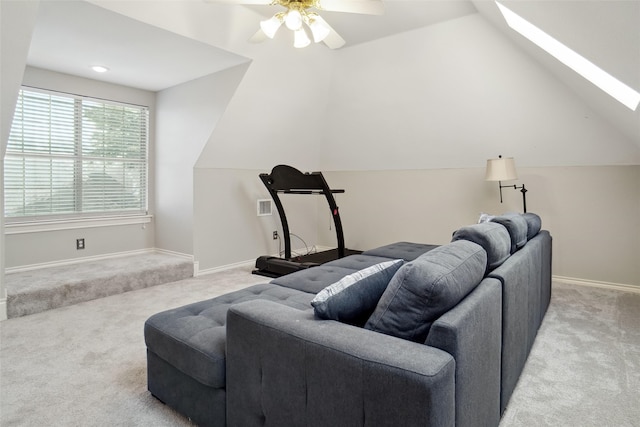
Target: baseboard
(3,309)
(596,284)
(61,263)
(244,264)
(173,253)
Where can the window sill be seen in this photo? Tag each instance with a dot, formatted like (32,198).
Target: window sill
(73,224)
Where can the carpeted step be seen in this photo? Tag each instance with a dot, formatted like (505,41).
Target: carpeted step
(34,291)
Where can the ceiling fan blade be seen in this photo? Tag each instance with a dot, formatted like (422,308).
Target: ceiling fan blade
(333,39)
(258,37)
(258,2)
(368,7)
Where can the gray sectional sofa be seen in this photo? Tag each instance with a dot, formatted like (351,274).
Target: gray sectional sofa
(437,339)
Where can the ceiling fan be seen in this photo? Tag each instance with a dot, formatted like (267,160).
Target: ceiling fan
(300,15)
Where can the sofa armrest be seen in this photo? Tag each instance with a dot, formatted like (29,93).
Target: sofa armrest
(471,332)
(287,368)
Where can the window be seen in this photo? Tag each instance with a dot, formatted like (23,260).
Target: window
(73,156)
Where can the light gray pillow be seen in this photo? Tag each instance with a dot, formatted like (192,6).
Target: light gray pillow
(427,287)
(353,298)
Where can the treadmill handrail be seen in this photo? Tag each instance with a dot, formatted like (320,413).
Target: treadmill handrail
(307,191)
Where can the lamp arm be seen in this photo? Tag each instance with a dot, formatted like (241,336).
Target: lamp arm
(523,190)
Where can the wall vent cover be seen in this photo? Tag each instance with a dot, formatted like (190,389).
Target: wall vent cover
(265,207)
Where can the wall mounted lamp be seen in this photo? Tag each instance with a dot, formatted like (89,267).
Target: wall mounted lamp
(504,169)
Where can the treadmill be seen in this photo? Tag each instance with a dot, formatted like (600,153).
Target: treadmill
(285,179)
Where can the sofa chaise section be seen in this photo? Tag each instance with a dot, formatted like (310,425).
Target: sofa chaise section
(186,351)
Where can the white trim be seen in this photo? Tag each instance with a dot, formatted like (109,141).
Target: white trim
(73,224)
(61,263)
(247,264)
(3,309)
(594,284)
(173,253)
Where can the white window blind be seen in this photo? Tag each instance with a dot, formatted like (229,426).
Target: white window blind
(73,156)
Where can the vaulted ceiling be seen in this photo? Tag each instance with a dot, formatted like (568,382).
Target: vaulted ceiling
(71,35)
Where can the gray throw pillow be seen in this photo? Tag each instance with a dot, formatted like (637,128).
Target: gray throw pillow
(516,225)
(353,298)
(424,289)
(534,224)
(494,239)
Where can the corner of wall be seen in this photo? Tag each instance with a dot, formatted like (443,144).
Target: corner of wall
(3,309)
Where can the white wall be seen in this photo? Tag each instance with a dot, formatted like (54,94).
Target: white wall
(187,115)
(17,20)
(453,95)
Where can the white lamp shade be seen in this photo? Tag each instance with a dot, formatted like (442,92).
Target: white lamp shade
(271,26)
(301,39)
(502,169)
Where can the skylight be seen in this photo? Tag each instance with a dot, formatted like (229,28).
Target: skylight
(587,69)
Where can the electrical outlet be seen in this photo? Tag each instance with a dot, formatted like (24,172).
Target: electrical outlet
(275,235)
(79,244)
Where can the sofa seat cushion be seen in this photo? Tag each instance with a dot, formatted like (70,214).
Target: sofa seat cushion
(516,225)
(192,338)
(353,298)
(493,237)
(423,289)
(401,250)
(314,279)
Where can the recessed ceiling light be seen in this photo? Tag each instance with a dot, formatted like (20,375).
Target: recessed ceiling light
(99,68)
(587,69)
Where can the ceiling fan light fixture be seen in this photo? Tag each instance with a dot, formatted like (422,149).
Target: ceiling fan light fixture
(293,20)
(270,26)
(301,39)
(318,30)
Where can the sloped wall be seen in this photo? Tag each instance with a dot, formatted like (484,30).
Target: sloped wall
(453,95)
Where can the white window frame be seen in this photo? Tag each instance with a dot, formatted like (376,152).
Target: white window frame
(80,219)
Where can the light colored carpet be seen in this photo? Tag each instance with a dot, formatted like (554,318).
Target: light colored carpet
(35,291)
(84,365)
(584,368)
